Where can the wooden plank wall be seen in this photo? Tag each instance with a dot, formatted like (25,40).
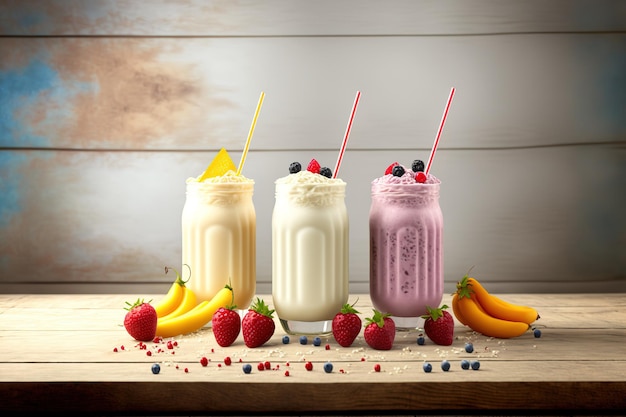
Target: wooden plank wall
(106,107)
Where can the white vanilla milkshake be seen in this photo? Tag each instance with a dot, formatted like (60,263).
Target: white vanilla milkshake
(309,252)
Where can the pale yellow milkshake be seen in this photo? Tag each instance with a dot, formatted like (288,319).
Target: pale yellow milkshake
(219,236)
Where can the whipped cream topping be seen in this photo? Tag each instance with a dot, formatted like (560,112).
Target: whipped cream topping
(230,177)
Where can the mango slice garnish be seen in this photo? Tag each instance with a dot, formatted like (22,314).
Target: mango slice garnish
(220,165)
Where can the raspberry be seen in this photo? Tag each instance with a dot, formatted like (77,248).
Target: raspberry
(377,368)
(313,167)
(390,168)
(420,177)
(308,366)
(204,361)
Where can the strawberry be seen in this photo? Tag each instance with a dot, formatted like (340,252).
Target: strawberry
(380,331)
(314,167)
(346,325)
(389,169)
(258,324)
(141,320)
(226,325)
(439,325)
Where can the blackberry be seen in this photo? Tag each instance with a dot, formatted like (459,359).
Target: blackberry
(295,167)
(418,165)
(398,171)
(325,171)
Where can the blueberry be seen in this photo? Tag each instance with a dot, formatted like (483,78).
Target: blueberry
(465,364)
(421,340)
(285,340)
(475,365)
(303,340)
(247,368)
(445,365)
(325,171)
(469,348)
(295,167)
(317,341)
(156,368)
(537,333)
(328,367)
(398,171)
(418,165)
(427,367)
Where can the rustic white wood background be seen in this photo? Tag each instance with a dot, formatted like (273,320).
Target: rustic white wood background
(106,107)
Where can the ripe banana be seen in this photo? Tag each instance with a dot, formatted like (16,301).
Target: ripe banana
(173,298)
(483,323)
(187,303)
(456,310)
(475,307)
(499,308)
(195,318)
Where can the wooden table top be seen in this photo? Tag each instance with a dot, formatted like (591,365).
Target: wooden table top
(58,354)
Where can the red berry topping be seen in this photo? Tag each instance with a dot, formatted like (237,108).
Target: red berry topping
(420,177)
(389,169)
(260,366)
(308,366)
(204,361)
(314,166)
(377,367)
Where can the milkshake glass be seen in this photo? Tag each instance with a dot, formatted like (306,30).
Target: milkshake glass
(219,237)
(406,248)
(309,252)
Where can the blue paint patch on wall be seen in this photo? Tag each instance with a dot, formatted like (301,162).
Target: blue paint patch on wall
(9,185)
(20,89)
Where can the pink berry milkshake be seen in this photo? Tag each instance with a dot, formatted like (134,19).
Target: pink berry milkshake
(406,248)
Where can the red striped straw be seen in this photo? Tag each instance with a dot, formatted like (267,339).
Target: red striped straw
(443,121)
(345,138)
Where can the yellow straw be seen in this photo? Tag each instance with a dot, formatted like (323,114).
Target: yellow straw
(245,150)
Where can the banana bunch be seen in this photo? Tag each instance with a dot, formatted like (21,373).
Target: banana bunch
(473,306)
(180,313)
